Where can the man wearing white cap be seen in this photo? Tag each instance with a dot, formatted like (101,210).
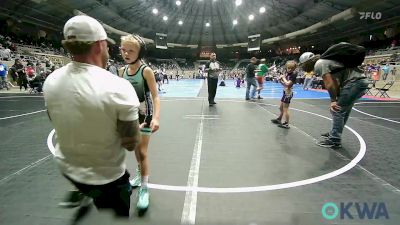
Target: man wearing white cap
(95,116)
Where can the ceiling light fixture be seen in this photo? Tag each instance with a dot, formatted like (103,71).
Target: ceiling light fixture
(207,24)
(155,11)
(165,18)
(238,2)
(262,9)
(235,22)
(178,3)
(180,22)
(251,17)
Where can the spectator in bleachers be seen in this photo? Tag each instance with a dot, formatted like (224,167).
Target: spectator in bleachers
(36,82)
(394,71)
(29,63)
(49,64)
(21,76)
(3,72)
(7,51)
(39,69)
(308,78)
(30,71)
(394,43)
(13,47)
(13,73)
(2,53)
(385,70)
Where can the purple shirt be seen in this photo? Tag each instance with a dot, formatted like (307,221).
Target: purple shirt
(291,77)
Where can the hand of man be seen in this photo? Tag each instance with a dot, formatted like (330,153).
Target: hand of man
(154,125)
(335,107)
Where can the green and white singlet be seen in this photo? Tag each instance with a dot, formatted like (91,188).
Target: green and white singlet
(143,92)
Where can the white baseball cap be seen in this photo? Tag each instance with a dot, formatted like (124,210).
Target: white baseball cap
(85,28)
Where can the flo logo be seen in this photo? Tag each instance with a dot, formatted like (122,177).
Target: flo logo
(354,210)
(370,15)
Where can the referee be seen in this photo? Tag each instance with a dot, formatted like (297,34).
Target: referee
(213,69)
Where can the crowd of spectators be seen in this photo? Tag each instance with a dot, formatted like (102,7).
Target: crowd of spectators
(11,45)
(187,65)
(27,70)
(14,42)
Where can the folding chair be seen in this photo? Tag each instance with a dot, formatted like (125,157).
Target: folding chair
(371,85)
(33,89)
(383,90)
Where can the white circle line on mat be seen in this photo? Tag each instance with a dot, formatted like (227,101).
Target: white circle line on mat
(5,97)
(24,114)
(374,116)
(299,183)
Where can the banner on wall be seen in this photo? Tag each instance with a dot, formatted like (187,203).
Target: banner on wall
(206,51)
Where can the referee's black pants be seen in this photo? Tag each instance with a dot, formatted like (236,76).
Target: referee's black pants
(212,88)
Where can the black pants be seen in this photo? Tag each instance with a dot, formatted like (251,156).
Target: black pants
(37,85)
(114,195)
(212,88)
(385,76)
(22,82)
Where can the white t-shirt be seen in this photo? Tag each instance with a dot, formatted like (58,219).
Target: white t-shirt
(84,103)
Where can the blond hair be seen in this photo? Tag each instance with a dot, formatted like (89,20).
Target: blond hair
(130,38)
(291,64)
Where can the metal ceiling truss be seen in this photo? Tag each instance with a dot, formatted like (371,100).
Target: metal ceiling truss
(280,18)
(202,25)
(221,22)
(193,23)
(186,14)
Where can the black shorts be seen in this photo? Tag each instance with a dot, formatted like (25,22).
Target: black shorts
(145,116)
(286,98)
(115,195)
(146,130)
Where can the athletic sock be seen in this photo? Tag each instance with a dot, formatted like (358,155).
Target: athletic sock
(145,181)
